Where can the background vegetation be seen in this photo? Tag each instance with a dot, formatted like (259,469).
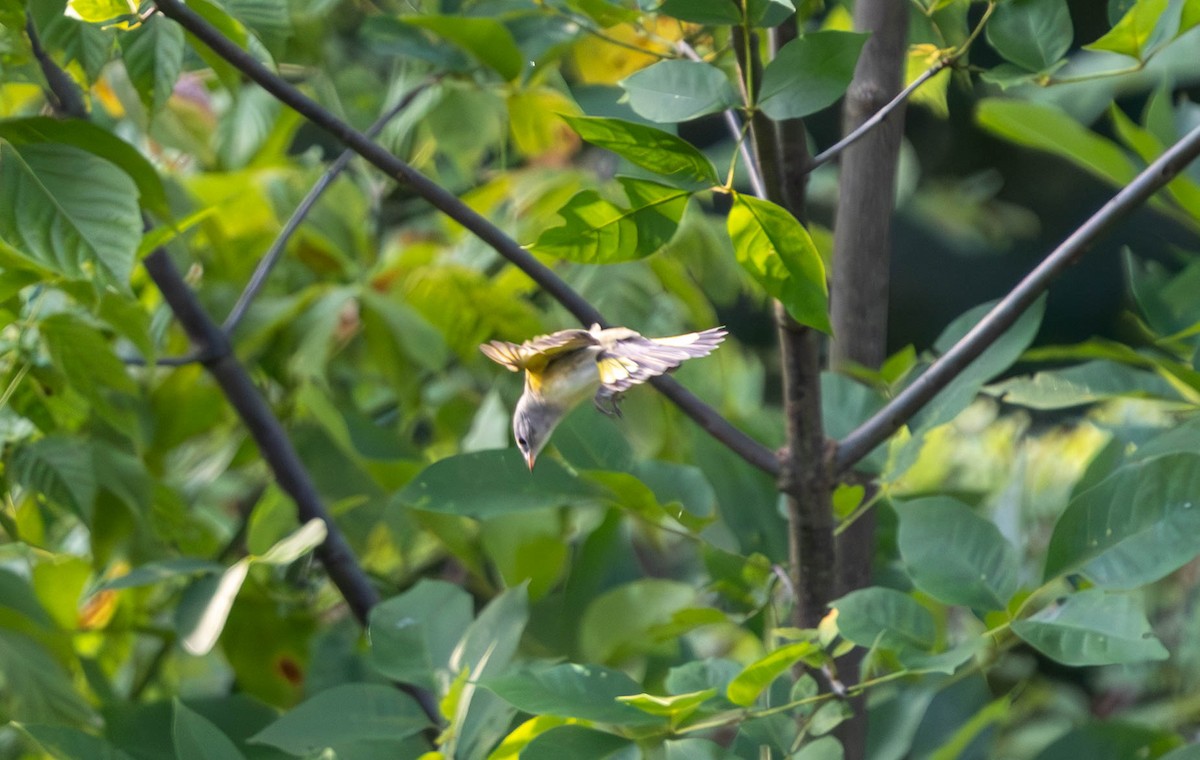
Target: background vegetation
(954,529)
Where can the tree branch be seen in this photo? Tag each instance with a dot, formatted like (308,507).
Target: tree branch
(908,402)
(449,204)
(66,99)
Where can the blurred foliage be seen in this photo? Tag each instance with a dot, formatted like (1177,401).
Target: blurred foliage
(1037,582)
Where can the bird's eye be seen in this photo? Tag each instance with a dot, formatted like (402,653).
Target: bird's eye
(522,443)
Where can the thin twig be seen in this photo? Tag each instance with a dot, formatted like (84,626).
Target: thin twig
(259,279)
(908,402)
(734,124)
(446,202)
(834,150)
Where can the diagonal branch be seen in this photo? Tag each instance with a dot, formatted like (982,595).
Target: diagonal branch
(446,202)
(908,402)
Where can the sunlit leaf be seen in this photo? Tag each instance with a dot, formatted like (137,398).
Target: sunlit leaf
(1135,34)
(99,11)
(777,251)
(202,635)
(649,148)
(309,536)
(621,621)
(1082,384)
(757,676)
(1092,628)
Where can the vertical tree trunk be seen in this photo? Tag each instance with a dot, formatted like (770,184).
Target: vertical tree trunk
(862,249)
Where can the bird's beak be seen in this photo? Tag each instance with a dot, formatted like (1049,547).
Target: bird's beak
(529,459)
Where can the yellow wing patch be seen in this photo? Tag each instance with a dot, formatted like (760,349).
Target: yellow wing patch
(614,369)
(507,355)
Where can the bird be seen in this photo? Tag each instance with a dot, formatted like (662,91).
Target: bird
(565,367)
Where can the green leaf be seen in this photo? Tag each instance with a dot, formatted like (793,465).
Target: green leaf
(1092,628)
(713,12)
(490,483)
(1190,752)
(674,91)
(744,689)
(1134,527)
(604,13)
(577,741)
(768,13)
(696,749)
(343,716)
(649,148)
(956,556)
(1134,34)
(1114,739)
(85,358)
(587,692)
(36,688)
(17,595)
(196,738)
(414,634)
(1183,189)
(99,11)
(809,73)
(153,56)
(824,748)
(70,39)
(1034,34)
(600,232)
(202,621)
(1048,128)
(1084,383)
(677,706)
(70,227)
(59,468)
(486,39)
(885,616)
(67,743)
(621,621)
(777,251)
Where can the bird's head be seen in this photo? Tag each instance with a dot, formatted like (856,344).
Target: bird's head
(533,422)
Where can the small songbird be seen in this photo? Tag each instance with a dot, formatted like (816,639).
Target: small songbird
(565,367)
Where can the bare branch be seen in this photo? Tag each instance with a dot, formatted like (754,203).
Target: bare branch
(259,279)
(65,96)
(908,402)
(449,204)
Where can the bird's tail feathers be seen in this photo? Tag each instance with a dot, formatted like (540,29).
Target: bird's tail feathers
(507,355)
(696,344)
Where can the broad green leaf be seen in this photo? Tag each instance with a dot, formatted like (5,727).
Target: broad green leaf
(1082,384)
(1183,438)
(1189,17)
(1046,127)
(1132,35)
(60,469)
(1092,627)
(956,556)
(768,13)
(70,227)
(701,675)
(489,483)
(486,39)
(577,741)
(153,57)
(1183,189)
(414,634)
(196,738)
(70,39)
(744,689)
(606,14)
(419,341)
(36,687)
(649,148)
(99,11)
(200,634)
(809,73)
(1134,527)
(309,536)
(600,232)
(621,622)
(776,250)
(17,595)
(343,716)
(1034,34)
(1115,739)
(674,91)
(85,358)
(824,748)
(154,572)
(244,130)
(587,692)
(591,441)
(99,142)
(714,12)
(885,616)
(67,743)
(696,749)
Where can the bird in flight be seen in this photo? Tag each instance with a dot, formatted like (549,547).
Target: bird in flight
(565,367)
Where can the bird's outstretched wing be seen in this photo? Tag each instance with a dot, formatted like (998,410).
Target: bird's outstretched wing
(629,359)
(536,353)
